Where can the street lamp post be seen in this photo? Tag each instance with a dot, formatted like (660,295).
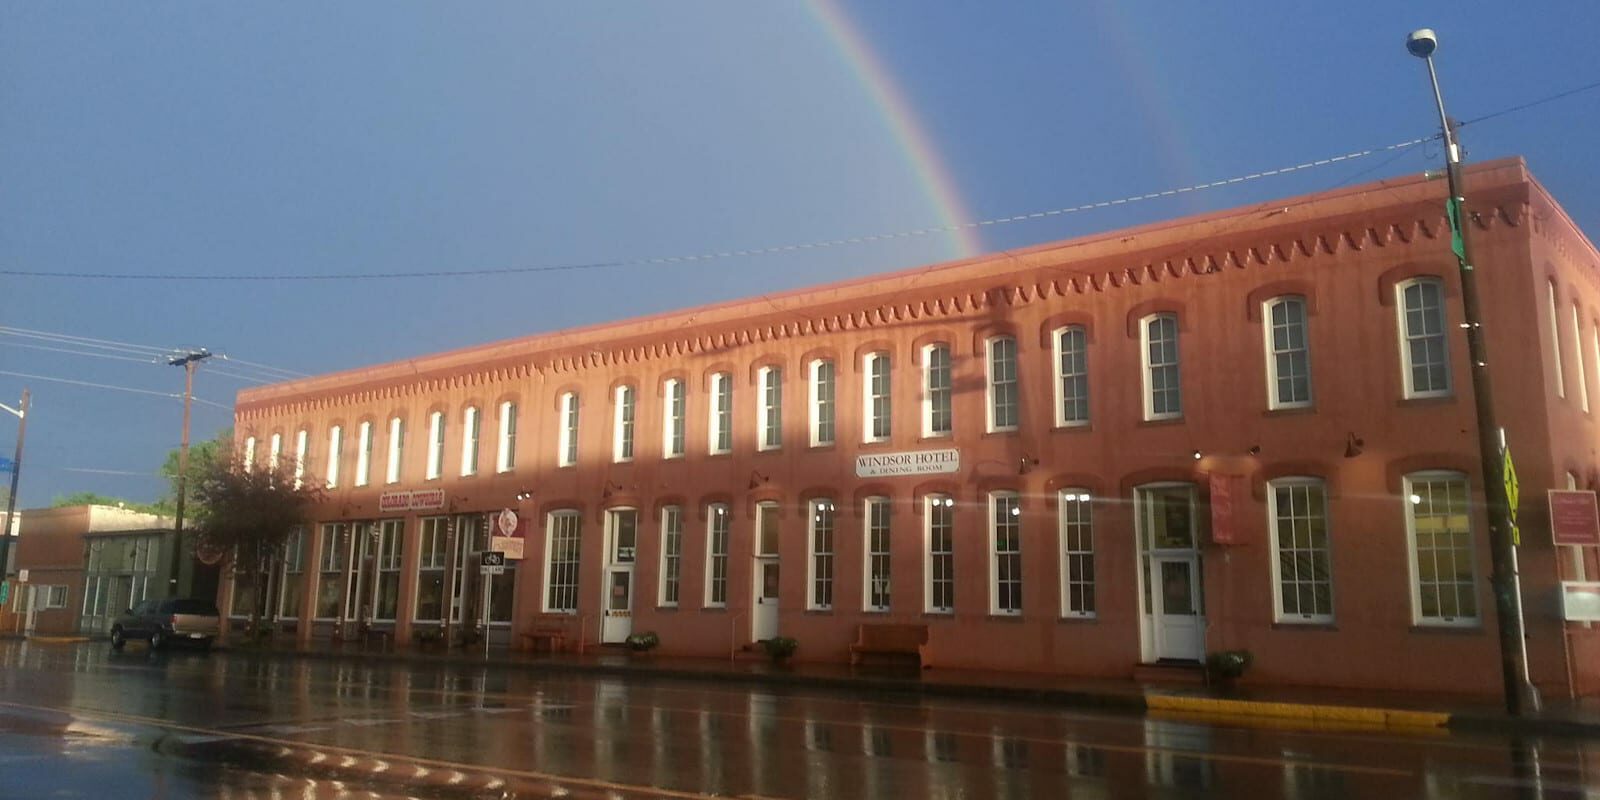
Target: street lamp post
(1519,693)
(21,413)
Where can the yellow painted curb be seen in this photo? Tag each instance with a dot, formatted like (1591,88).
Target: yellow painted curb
(1299,711)
(58,639)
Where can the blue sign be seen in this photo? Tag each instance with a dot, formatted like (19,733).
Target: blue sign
(5,592)
(6,465)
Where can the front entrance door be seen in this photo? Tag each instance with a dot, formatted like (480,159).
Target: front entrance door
(764,616)
(622,540)
(1179,628)
(1173,625)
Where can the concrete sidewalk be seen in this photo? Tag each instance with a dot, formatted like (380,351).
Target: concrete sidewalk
(1246,705)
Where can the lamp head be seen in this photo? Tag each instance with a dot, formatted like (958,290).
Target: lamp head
(1422,42)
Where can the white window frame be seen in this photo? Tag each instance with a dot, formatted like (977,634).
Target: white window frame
(565,517)
(1577,352)
(877,544)
(823,403)
(249,453)
(1012,503)
(719,523)
(670,588)
(870,419)
(719,433)
(294,563)
(390,559)
(364,453)
(567,441)
(54,597)
(1269,329)
(275,450)
(1148,367)
(930,554)
(1276,554)
(994,380)
(505,455)
(938,383)
(1555,339)
(1406,366)
(822,519)
(769,408)
(435,446)
(471,429)
(1075,515)
(1407,496)
(397,442)
(302,440)
(624,410)
(335,444)
(1059,353)
(434,531)
(674,419)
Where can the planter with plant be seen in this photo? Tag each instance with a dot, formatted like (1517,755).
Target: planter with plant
(780,648)
(643,642)
(1226,666)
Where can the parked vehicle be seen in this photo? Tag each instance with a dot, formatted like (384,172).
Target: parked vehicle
(161,622)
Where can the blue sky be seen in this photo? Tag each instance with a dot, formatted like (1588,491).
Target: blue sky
(294,138)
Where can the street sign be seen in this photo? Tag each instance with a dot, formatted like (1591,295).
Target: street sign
(507,522)
(492,570)
(1574,518)
(492,558)
(22,576)
(5,592)
(1510,477)
(7,465)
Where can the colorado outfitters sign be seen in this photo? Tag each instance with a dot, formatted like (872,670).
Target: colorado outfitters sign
(916,462)
(414,500)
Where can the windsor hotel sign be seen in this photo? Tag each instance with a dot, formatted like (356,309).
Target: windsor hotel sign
(915,462)
(414,500)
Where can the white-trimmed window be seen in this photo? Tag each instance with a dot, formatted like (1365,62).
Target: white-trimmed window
(301,442)
(823,406)
(331,555)
(1594,342)
(769,412)
(672,426)
(397,441)
(876,406)
(819,547)
(291,586)
(505,458)
(563,536)
(938,410)
(1071,346)
(1288,352)
(391,541)
(335,444)
(1302,567)
(471,427)
(876,539)
(432,559)
(622,425)
(54,597)
(275,450)
(721,430)
(1159,348)
(1075,508)
(1555,339)
(940,513)
(1577,352)
(718,521)
(1002,383)
(671,554)
(1439,526)
(1424,350)
(1005,553)
(364,454)
(249,453)
(435,445)
(567,442)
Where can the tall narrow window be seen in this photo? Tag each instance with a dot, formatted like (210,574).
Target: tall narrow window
(771,410)
(671,554)
(672,425)
(1162,397)
(941,517)
(721,439)
(1302,572)
(1288,354)
(249,453)
(717,524)
(877,541)
(506,448)
(1440,529)
(330,569)
(567,454)
(397,440)
(1077,553)
(301,442)
(937,409)
(1423,349)
(822,403)
(1577,352)
(275,450)
(1005,553)
(876,398)
(622,425)
(432,559)
(1002,384)
(335,444)
(364,454)
(471,424)
(563,532)
(435,445)
(820,545)
(1555,340)
(1072,376)
(391,539)
(294,574)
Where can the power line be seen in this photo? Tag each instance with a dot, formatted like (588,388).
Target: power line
(151,353)
(263,367)
(92,385)
(89,353)
(1525,106)
(85,341)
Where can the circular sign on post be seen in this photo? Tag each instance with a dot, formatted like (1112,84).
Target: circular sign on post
(507,522)
(208,553)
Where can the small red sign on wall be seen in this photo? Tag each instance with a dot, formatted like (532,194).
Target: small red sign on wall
(1574,517)
(1223,494)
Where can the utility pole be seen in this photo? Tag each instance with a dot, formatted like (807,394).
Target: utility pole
(188,361)
(21,413)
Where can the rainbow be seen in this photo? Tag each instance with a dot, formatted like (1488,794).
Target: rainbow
(931,172)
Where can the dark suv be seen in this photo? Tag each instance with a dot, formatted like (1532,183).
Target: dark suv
(175,619)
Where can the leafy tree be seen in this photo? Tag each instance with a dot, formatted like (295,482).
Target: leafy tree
(203,456)
(247,515)
(97,499)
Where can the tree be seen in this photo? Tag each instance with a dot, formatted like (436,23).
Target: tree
(247,513)
(203,456)
(97,499)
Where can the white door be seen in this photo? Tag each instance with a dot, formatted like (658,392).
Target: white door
(1180,630)
(764,620)
(30,599)
(618,621)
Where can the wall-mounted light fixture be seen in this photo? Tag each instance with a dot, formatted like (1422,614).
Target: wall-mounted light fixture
(757,479)
(1352,445)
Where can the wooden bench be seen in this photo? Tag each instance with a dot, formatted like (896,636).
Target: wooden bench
(549,630)
(891,639)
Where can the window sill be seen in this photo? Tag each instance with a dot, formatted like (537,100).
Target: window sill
(1319,627)
(1411,402)
(720,454)
(876,443)
(1008,433)
(822,447)
(667,609)
(1470,629)
(766,451)
(871,611)
(1157,423)
(1289,411)
(819,612)
(1072,427)
(951,614)
(936,437)
(998,617)
(715,609)
(1079,619)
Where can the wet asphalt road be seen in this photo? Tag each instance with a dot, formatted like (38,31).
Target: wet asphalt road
(80,721)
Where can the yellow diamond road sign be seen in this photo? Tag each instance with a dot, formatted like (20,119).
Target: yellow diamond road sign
(1509,476)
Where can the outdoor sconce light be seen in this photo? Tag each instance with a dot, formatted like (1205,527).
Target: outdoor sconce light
(1197,454)
(1352,445)
(525,495)
(757,479)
